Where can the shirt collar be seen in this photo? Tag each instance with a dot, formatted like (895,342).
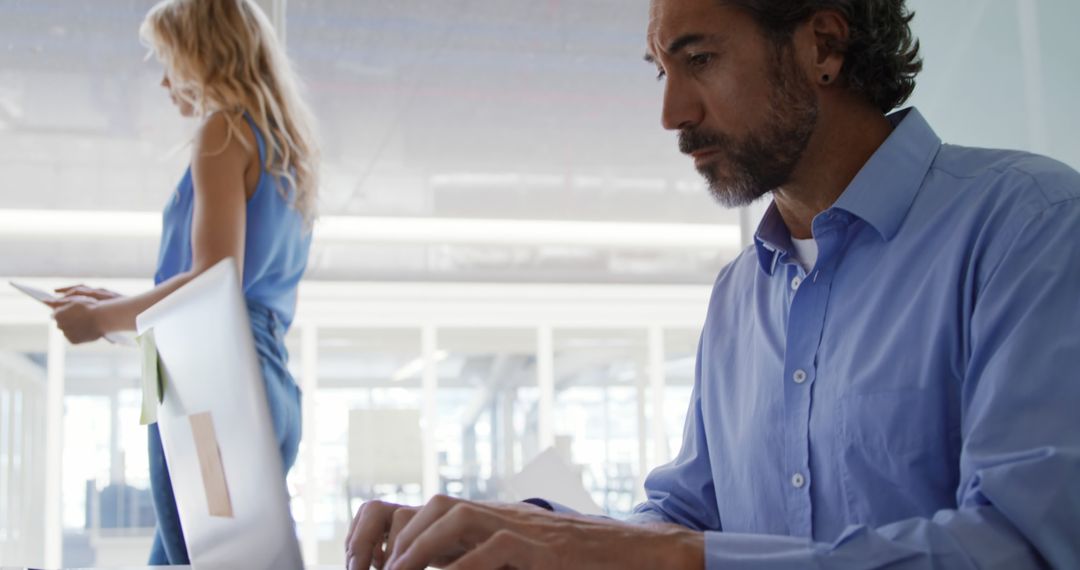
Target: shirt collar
(881,193)
(772,239)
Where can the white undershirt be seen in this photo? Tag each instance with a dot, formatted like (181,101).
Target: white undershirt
(806,252)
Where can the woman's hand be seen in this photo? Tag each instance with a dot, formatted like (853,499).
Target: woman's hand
(86,291)
(78,318)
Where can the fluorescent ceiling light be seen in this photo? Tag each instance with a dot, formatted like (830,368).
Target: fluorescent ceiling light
(461,231)
(73,223)
(415,367)
(474,180)
(408,231)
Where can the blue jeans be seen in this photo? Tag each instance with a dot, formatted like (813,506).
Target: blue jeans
(283,397)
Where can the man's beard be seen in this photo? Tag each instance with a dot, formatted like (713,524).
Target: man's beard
(762,161)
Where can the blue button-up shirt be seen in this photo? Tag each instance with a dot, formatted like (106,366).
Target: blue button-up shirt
(913,401)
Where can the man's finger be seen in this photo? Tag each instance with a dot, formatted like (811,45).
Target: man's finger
(370,526)
(399,521)
(446,538)
(360,513)
(506,549)
(69,288)
(352,526)
(435,508)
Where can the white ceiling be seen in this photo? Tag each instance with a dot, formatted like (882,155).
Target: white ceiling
(509,109)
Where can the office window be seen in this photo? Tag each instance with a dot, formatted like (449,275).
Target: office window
(22,441)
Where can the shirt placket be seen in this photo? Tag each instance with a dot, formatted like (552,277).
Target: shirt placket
(806,320)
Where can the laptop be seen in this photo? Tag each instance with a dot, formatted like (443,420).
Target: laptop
(216,430)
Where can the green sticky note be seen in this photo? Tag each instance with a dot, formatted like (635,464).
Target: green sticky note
(162,378)
(152,388)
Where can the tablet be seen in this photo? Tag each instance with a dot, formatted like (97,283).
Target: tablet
(44,297)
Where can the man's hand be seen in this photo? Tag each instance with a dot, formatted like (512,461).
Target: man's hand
(372,533)
(463,535)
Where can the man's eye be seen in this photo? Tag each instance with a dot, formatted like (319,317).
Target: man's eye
(699,60)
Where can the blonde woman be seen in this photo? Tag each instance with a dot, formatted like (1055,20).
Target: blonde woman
(249,194)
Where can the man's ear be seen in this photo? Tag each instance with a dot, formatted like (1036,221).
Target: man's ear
(825,36)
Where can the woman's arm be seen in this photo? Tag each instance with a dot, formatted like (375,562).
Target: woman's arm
(218,166)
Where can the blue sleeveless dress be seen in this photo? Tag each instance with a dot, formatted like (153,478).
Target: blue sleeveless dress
(276,250)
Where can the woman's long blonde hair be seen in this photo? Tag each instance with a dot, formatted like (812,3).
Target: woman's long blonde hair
(223,55)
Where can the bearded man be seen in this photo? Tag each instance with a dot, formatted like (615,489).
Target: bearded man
(889,377)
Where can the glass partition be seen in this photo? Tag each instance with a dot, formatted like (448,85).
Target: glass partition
(108,514)
(488,409)
(368,443)
(599,384)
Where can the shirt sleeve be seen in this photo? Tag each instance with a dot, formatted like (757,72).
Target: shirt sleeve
(1018,501)
(682,492)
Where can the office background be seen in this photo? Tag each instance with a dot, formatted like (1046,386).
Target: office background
(513,255)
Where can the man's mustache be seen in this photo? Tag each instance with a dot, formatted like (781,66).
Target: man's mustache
(691,141)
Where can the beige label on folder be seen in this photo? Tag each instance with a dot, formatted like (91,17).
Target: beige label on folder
(213,472)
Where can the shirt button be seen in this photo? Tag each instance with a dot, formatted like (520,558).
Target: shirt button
(795,283)
(799,377)
(798,481)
